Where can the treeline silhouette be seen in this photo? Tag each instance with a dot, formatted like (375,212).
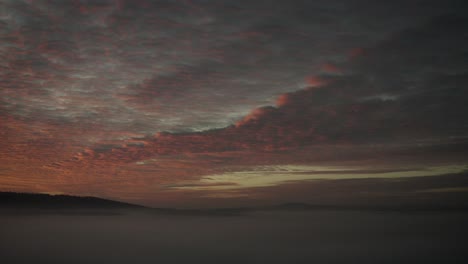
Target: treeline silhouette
(15,200)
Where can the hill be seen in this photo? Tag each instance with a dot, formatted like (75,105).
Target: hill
(12,200)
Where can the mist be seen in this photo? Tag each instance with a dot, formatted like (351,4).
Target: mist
(327,236)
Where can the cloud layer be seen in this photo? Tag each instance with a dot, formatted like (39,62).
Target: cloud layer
(128,98)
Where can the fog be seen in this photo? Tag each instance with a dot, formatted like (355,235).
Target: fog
(256,237)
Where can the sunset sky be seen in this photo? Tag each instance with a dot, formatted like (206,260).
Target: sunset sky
(201,103)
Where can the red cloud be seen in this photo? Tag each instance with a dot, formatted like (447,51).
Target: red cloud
(315,81)
(356,52)
(256,114)
(331,68)
(283,100)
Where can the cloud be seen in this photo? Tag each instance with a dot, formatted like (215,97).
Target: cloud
(122,97)
(277,175)
(356,107)
(168,66)
(256,115)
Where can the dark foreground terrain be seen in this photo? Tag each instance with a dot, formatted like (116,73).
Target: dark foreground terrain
(302,235)
(35,201)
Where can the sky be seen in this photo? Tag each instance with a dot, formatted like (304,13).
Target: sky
(202,103)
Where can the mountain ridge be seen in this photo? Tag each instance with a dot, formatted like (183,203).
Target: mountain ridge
(34,202)
(17,200)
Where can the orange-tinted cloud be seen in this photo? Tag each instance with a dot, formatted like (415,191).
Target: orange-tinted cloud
(79,110)
(315,81)
(255,115)
(355,53)
(331,68)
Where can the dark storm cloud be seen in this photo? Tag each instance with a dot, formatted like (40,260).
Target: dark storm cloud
(424,71)
(410,86)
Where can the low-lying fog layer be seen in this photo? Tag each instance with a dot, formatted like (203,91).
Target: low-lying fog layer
(258,237)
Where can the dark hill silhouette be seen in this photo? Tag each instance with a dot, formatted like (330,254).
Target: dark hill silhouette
(33,202)
(14,200)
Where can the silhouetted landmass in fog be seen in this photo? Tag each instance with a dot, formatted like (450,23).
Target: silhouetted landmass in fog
(32,202)
(14,200)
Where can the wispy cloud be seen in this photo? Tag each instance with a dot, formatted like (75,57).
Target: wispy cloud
(276,175)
